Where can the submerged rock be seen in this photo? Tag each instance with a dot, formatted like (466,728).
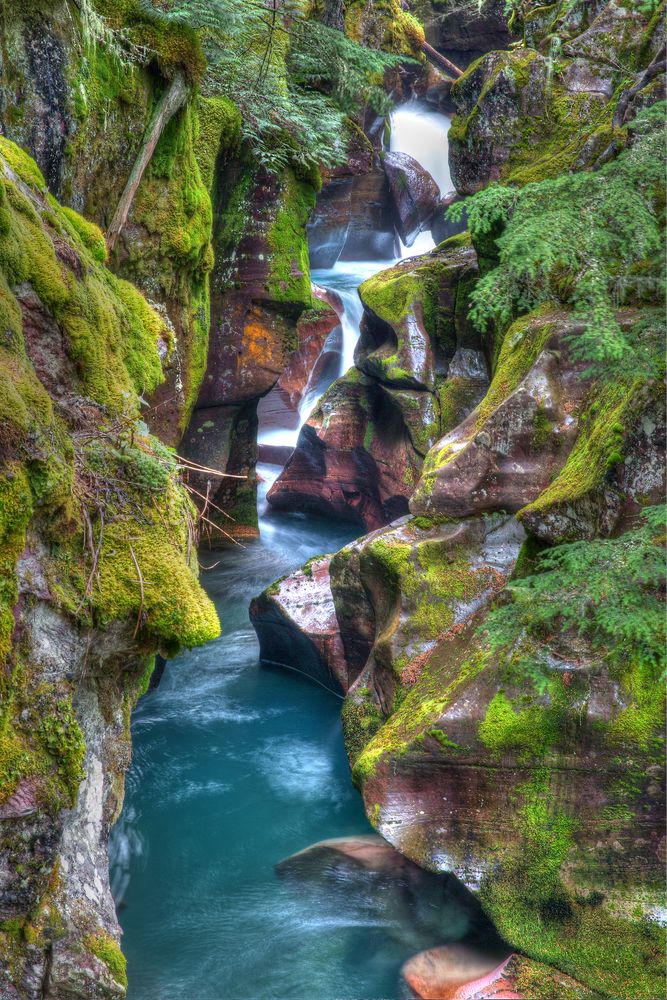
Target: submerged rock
(458,972)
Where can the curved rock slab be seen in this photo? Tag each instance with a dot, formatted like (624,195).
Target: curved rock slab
(295,621)
(414,194)
(354,458)
(505,453)
(421,580)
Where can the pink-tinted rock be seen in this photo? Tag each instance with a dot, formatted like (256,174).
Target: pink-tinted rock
(354,458)
(458,972)
(296,624)
(509,448)
(23,802)
(313,329)
(414,192)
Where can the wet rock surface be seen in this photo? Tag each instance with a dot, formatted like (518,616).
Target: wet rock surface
(360,454)
(414,192)
(296,625)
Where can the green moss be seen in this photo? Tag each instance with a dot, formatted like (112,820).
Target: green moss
(391,295)
(108,951)
(542,145)
(289,275)
(528,732)
(15,513)
(441,681)
(597,448)
(111,331)
(173,44)
(218,129)
(521,346)
(90,235)
(22,164)
(361,719)
(174,206)
(110,354)
(444,740)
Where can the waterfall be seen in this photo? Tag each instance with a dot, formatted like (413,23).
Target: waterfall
(421,132)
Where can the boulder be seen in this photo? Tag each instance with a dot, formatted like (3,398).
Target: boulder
(414,582)
(360,453)
(458,972)
(295,621)
(414,193)
(515,123)
(505,453)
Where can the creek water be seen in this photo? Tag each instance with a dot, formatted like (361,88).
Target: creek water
(237,766)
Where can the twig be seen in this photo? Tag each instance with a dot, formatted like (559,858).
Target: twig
(222,532)
(208,502)
(191,466)
(96,557)
(141,587)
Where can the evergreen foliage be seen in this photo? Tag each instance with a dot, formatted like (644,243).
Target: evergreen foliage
(591,241)
(609,591)
(293,79)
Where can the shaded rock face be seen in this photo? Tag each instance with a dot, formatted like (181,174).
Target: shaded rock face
(261,287)
(332,472)
(295,621)
(517,124)
(505,453)
(463,32)
(353,218)
(360,454)
(414,192)
(68,853)
(456,792)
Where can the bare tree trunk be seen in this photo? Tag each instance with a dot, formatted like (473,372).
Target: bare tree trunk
(440,61)
(334,15)
(171,101)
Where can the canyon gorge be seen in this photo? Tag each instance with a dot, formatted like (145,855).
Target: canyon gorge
(332,501)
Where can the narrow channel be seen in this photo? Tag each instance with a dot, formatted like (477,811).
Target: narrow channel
(237,766)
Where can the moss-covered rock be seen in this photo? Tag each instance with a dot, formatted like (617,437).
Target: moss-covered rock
(419,368)
(96,573)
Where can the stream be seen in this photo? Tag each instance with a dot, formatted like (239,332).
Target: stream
(237,766)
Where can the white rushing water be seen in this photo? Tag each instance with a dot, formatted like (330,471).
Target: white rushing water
(421,132)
